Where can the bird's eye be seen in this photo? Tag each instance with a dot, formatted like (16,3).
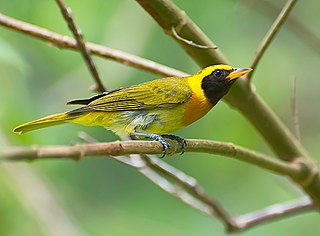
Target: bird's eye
(217,73)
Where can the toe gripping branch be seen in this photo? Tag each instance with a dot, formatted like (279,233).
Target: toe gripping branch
(161,139)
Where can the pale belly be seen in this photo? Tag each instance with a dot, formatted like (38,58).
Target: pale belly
(158,121)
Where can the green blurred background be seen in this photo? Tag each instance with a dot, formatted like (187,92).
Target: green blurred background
(99,196)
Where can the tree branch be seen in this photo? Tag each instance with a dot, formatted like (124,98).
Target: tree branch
(191,192)
(192,185)
(258,113)
(300,31)
(274,212)
(275,27)
(67,14)
(66,42)
(175,190)
(144,166)
(119,148)
(242,96)
(150,167)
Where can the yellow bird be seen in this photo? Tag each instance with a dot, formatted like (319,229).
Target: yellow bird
(151,109)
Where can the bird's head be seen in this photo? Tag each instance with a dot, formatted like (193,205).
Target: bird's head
(218,79)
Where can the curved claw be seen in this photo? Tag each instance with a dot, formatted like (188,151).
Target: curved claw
(178,139)
(161,139)
(158,138)
(164,143)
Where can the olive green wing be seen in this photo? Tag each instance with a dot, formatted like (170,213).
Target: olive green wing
(166,92)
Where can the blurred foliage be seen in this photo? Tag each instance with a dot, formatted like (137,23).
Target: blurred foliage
(106,198)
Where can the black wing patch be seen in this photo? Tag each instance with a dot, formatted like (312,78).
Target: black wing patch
(89,100)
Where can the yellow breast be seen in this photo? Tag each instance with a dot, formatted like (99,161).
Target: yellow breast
(198,105)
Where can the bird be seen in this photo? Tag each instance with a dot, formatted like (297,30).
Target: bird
(151,109)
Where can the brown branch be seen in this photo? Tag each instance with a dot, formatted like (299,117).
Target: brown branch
(275,27)
(67,14)
(152,168)
(274,212)
(66,42)
(119,148)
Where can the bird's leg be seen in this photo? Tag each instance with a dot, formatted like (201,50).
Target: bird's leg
(161,139)
(155,137)
(178,139)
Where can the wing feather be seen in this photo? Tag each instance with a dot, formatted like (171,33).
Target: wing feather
(166,92)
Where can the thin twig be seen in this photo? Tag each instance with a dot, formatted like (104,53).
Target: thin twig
(294,109)
(175,189)
(272,33)
(66,42)
(274,212)
(301,32)
(67,14)
(86,137)
(190,42)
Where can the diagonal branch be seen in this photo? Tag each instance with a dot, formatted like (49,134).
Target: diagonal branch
(67,14)
(183,187)
(275,27)
(144,167)
(175,190)
(274,212)
(192,185)
(308,37)
(66,42)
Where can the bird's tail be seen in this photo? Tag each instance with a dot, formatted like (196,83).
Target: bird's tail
(52,120)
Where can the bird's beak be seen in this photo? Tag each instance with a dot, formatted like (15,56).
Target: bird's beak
(238,72)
